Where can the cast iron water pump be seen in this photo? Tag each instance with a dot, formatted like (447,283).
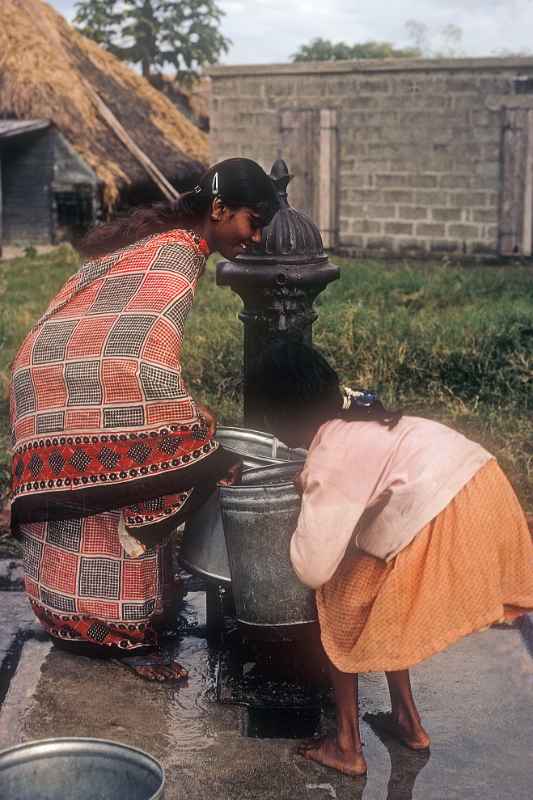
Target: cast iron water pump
(278,282)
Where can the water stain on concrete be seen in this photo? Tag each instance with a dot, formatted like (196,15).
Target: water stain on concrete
(475,698)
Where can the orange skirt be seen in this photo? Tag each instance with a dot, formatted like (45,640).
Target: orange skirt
(468,568)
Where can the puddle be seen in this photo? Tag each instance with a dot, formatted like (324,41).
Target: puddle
(188,703)
(230,671)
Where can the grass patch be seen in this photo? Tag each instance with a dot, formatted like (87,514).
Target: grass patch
(451,343)
(27,285)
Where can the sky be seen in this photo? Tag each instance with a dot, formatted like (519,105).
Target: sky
(270,31)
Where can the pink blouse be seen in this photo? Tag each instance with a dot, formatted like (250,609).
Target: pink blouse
(377,488)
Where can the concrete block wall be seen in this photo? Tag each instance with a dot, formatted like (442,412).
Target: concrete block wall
(419,166)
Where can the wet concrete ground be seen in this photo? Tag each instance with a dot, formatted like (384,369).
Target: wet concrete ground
(476,700)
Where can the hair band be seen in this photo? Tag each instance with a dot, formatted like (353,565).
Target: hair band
(364,398)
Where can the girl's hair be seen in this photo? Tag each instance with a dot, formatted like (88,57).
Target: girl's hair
(238,182)
(293,380)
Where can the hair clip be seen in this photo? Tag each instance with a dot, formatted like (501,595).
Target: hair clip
(364,398)
(197,190)
(214,187)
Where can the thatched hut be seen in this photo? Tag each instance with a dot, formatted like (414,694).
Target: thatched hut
(77,120)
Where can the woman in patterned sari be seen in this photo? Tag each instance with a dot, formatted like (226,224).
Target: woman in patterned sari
(110,451)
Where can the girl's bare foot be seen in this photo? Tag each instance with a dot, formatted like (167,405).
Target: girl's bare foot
(409,733)
(328,751)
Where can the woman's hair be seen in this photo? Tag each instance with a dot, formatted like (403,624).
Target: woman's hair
(238,182)
(295,381)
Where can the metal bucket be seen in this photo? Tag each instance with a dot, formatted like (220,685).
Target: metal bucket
(85,769)
(257,448)
(259,519)
(203,547)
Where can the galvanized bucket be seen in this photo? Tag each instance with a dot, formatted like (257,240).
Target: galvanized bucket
(85,769)
(203,547)
(257,448)
(259,518)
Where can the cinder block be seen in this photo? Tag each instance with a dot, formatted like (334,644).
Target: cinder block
(444,246)
(366,226)
(447,214)
(366,196)
(381,212)
(430,198)
(399,228)
(467,84)
(431,230)
(482,247)
(491,183)
(394,180)
(422,181)
(385,244)
(413,212)
(487,215)
(467,199)
(398,196)
(411,247)
(496,84)
(455,181)
(467,102)
(463,231)
(376,84)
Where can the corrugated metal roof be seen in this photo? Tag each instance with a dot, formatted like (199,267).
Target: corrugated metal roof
(16,127)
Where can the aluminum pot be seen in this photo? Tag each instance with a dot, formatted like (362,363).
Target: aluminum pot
(203,547)
(259,519)
(85,769)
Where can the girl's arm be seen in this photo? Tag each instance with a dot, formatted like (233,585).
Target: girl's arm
(334,498)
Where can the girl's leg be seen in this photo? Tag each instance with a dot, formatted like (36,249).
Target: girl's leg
(343,752)
(403,721)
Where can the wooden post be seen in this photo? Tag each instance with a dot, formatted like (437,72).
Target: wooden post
(107,115)
(516,218)
(327,216)
(299,147)
(527,234)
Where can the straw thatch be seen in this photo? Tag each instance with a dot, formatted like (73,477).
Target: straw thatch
(44,63)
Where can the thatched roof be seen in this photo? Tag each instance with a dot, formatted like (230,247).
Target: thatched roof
(43,65)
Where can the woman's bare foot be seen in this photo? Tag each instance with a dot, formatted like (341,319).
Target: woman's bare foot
(155,667)
(409,733)
(328,751)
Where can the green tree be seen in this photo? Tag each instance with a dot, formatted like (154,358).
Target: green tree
(156,33)
(324,50)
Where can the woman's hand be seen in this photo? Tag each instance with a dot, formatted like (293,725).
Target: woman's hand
(233,476)
(209,416)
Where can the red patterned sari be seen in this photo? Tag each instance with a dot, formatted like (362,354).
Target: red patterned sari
(107,441)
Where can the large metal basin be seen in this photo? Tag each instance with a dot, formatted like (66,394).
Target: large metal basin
(84,769)
(259,519)
(203,548)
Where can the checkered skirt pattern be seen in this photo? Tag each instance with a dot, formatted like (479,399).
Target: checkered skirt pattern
(97,396)
(84,587)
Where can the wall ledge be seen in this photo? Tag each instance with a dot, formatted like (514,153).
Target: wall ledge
(365,66)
